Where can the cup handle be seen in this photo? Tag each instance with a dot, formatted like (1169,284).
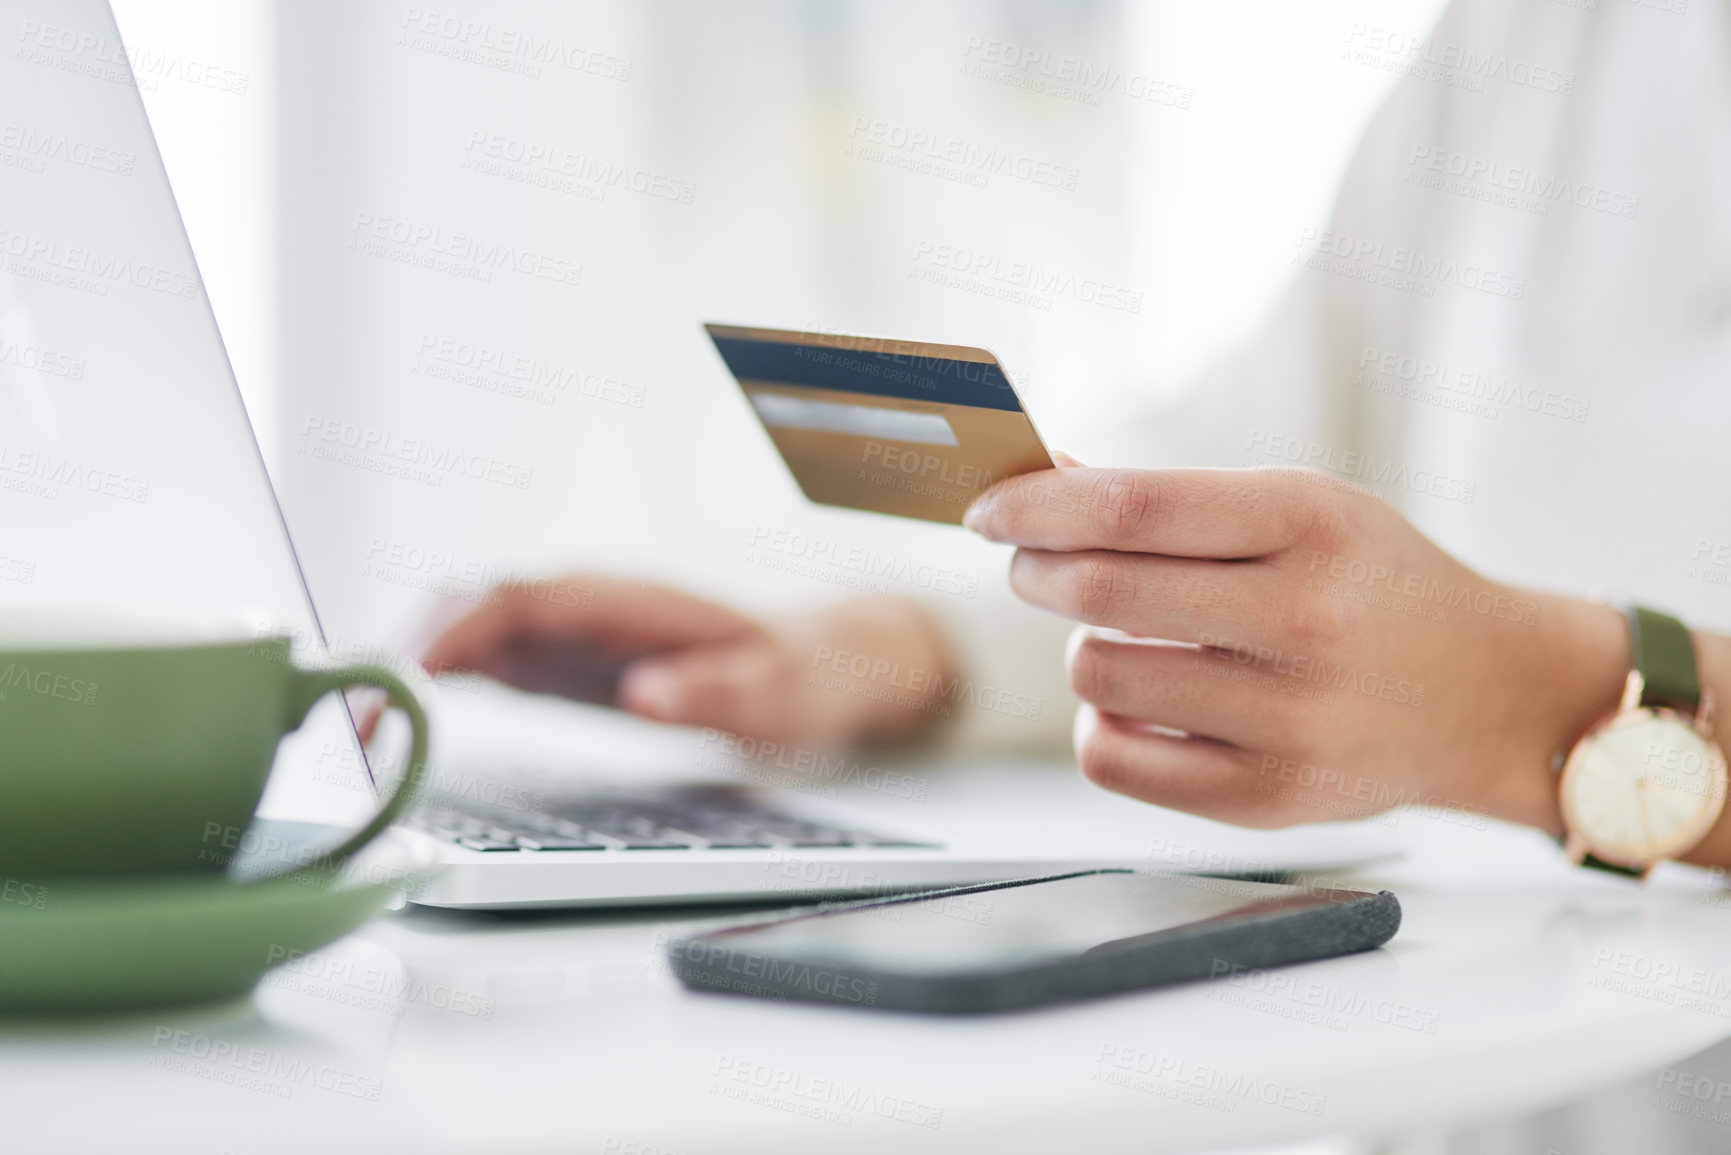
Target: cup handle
(311,685)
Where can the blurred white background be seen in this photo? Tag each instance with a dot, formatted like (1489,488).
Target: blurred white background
(1213,131)
(742,162)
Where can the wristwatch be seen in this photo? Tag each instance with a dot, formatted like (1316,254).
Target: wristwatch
(1648,782)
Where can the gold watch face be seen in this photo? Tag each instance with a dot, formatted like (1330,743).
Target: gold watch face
(1642,786)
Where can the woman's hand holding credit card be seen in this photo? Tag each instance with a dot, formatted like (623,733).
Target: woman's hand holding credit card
(1228,660)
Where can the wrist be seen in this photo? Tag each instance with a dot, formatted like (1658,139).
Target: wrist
(1585,665)
(1576,669)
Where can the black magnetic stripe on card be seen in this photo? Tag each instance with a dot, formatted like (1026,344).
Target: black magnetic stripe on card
(905,377)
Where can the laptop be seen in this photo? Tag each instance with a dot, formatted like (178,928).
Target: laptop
(682,838)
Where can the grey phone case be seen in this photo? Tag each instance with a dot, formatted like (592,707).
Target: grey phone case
(725,961)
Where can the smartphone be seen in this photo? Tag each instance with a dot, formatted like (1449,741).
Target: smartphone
(1003,946)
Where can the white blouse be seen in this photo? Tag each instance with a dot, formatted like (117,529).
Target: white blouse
(1515,325)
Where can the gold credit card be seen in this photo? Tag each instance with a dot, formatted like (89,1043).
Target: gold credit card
(903,427)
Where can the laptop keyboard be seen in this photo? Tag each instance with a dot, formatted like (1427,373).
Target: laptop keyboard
(691,819)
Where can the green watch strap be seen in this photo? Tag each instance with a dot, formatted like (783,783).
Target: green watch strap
(1661,649)
(1610,867)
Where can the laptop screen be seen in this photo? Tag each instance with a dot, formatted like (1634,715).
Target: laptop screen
(130,478)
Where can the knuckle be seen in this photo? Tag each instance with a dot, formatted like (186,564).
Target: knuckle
(1127,503)
(1318,513)
(1098,587)
(1326,518)
(1317,625)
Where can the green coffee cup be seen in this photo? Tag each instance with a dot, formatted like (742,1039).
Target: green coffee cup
(124,743)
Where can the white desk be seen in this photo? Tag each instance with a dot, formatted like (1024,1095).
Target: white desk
(1513,983)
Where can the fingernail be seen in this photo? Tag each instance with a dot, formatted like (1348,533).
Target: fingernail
(977,516)
(655,692)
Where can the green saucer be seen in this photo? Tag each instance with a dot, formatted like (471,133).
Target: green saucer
(107,944)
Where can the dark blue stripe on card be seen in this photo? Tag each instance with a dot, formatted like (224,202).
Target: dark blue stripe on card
(906,377)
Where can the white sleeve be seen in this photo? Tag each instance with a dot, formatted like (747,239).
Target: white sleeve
(1291,383)
(1012,692)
